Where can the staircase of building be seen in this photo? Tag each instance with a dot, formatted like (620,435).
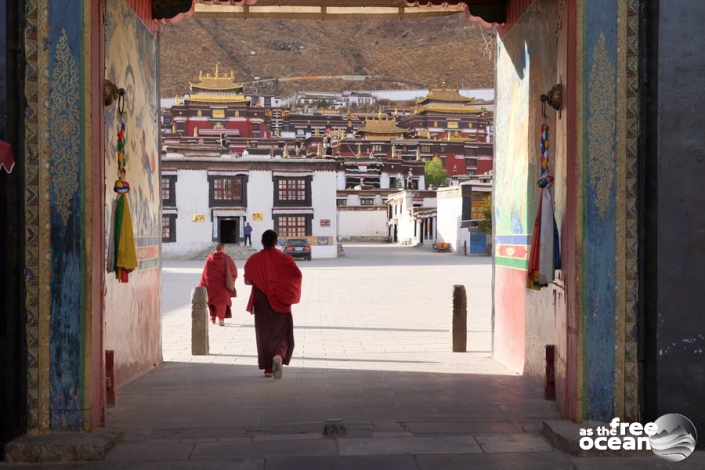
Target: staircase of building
(239,252)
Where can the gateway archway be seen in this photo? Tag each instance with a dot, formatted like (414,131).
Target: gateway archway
(605,332)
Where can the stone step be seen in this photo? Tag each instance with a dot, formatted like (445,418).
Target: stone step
(240,252)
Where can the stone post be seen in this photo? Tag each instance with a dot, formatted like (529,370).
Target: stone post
(460,319)
(199,321)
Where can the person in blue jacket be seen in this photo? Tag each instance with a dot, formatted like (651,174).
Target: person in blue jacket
(248,234)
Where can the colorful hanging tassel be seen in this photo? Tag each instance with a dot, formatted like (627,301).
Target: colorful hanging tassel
(125,254)
(544,256)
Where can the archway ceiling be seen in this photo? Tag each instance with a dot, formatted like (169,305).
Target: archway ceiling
(486,12)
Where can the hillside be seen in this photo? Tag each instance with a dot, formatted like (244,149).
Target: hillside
(401,54)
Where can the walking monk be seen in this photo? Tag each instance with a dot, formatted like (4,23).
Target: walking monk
(276,285)
(213,278)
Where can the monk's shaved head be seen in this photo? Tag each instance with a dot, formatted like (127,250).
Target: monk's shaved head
(220,247)
(269,238)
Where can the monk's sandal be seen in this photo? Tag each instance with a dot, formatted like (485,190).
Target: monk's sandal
(277,368)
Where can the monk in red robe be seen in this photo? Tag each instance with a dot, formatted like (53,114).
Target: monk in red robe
(213,279)
(276,286)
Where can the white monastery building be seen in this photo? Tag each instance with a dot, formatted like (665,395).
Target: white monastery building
(208,200)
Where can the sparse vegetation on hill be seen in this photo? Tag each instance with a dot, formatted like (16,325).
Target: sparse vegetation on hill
(399,54)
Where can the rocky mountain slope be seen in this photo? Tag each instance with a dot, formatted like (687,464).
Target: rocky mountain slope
(399,54)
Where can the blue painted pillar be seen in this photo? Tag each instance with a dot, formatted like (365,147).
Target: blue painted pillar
(599,220)
(66,160)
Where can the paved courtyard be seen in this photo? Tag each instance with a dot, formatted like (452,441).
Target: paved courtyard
(372,357)
(380,307)
(372,350)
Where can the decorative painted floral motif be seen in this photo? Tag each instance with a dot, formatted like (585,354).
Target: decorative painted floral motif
(65,117)
(601,155)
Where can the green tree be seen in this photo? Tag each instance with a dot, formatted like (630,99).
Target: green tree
(434,173)
(485,225)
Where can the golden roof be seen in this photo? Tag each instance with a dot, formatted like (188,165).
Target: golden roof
(381,126)
(216,82)
(435,108)
(212,98)
(444,94)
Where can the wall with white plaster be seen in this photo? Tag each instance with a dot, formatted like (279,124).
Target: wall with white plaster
(193,239)
(449,216)
(357,224)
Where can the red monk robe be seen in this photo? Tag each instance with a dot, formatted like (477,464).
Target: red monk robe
(213,279)
(276,286)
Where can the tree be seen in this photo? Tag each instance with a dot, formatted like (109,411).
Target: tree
(434,173)
(485,225)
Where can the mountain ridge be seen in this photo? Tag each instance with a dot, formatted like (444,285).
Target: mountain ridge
(400,54)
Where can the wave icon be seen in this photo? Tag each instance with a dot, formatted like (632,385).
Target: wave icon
(676,438)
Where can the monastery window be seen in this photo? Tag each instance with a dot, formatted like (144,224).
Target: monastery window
(288,226)
(290,191)
(367,201)
(169,190)
(226,191)
(168,228)
(342,202)
(426,148)
(377,147)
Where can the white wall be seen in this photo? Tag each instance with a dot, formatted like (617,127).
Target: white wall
(449,215)
(323,190)
(360,224)
(340,178)
(486,94)
(192,238)
(260,198)
(405,227)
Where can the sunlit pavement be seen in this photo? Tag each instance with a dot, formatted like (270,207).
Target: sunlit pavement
(372,353)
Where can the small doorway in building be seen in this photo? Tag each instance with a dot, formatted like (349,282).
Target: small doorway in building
(229,231)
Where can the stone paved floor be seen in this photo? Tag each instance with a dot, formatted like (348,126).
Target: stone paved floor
(372,335)
(372,341)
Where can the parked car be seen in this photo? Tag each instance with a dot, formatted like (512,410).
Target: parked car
(298,248)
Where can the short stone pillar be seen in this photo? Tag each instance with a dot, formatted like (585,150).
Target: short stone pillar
(460,319)
(199,321)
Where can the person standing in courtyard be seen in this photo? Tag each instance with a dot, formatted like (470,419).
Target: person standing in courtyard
(276,286)
(248,234)
(213,279)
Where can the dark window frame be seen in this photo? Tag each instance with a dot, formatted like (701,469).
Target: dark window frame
(367,201)
(171,202)
(307,200)
(309,224)
(172,228)
(212,202)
